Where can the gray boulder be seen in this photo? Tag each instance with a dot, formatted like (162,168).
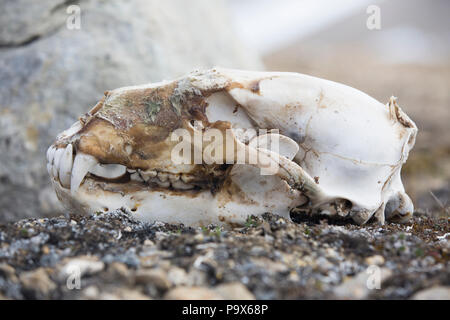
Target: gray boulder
(51,73)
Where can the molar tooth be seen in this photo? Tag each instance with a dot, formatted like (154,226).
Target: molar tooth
(65,166)
(162,176)
(187,178)
(181,185)
(136,177)
(165,184)
(81,166)
(108,171)
(148,174)
(142,176)
(174,177)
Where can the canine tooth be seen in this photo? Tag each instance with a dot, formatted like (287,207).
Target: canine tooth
(65,166)
(109,171)
(57,159)
(49,169)
(81,166)
(181,185)
(163,177)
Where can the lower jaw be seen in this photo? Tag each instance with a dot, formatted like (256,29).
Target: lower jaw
(190,207)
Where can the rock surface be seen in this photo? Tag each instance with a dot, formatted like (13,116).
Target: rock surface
(268,258)
(50,74)
(434,293)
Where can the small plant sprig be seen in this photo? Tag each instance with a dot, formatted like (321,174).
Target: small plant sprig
(251,222)
(217,231)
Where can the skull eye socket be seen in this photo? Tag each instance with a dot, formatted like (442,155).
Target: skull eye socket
(344,205)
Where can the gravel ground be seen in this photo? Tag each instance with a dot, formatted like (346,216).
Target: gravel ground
(112,256)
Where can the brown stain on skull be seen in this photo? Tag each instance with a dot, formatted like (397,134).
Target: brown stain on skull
(254,86)
(140,119)
(231,192)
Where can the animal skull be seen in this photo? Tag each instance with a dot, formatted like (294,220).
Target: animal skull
(340,151)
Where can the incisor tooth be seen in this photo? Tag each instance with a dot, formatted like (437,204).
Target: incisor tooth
(81,166)
(51,154)
(57,159)
(109,171)
(54,171)
(65,166)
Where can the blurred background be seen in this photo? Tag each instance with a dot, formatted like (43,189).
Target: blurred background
(58,57)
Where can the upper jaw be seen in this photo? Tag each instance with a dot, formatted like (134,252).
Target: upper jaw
(70,169)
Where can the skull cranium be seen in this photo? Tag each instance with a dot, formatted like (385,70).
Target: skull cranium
(339,152)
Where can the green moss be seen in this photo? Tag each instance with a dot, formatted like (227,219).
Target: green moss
(419,252)
(251,222)
(217,232)
(205,230)
(24,232)
(153,108)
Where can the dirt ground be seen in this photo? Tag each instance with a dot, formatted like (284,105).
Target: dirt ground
(112,256)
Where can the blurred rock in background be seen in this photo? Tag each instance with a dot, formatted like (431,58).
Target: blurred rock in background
(50,74)
(408,57)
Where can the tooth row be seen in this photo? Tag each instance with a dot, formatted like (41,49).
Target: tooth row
(164,179)
(71,172)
